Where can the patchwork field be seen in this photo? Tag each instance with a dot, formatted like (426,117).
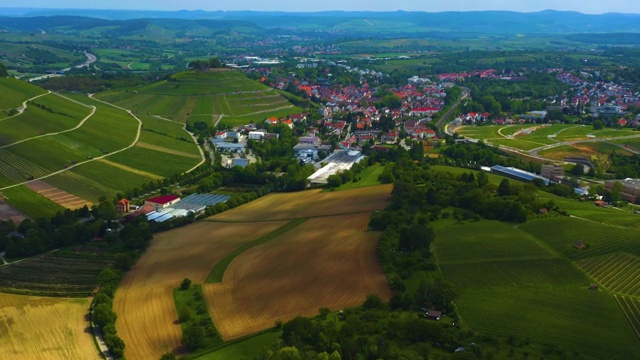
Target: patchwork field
(329,242)
(45,328)
(58,196)
(325,262)
(144,300)
(517,281)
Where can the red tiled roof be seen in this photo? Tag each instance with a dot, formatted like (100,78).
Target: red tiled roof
(164,199)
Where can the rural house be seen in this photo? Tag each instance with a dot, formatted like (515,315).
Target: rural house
(161,202)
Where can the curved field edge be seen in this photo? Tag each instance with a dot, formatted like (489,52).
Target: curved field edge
(217,272)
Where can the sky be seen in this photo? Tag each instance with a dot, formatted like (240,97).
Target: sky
(584,6)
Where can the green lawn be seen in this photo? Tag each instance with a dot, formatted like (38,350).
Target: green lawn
(31,203)
(249,348)
(368,177)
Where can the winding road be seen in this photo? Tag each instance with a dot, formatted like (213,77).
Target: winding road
(90,60)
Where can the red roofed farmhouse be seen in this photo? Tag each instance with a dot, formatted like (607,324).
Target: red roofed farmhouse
(161,202)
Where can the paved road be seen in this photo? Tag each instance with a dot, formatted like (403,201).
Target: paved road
(90,60)
(97,333)
(535,151)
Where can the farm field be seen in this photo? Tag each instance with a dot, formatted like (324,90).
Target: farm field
(562,315)
(245,349)
(498,270)
(15,92)
(47,114)
(618,272)
(60,197)
(42,328)
(191,251)
(150,161)
(191,96)
(484,241)
(562,233)
(54,274)
(30,203)
(324,262)
(311,203)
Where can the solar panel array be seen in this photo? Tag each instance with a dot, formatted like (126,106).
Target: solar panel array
(203,199)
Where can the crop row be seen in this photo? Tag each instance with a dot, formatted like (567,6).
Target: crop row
(54,273)
(631,309)
(495,274)
(563,233)
(617,272)
(18,169)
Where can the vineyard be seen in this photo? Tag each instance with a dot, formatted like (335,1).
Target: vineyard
(15,92)
(517,273)
(190,97)
(568,316)
(631,308)
(562,234)
(617,272)
(484,241)
(54,274)
(48,114)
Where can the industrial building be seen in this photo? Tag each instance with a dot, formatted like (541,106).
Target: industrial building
(337,162)
(516,174)
(630,188)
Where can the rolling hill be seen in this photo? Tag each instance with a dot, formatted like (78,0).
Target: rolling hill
(70,150)
(225,96)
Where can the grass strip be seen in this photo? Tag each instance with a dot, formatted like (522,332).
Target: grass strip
(215,276)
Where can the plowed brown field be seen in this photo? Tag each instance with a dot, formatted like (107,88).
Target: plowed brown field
(144,301)
(311,203)
(325,262)
(38,328)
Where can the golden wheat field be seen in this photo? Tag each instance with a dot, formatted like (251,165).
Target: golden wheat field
(40,328)
(144,300)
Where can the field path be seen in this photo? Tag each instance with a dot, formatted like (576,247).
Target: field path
(93,111)
(90,160)
(24,106)
(195,141)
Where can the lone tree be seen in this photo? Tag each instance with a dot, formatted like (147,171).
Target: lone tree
(186,283)
(3,70)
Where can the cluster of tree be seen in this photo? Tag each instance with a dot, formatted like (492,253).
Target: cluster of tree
(202,65)
(277,160)
(198,329)
(3,70)
(345,176)
(370,331)
(498,96)
(102,311)
(625,166)
(476,155)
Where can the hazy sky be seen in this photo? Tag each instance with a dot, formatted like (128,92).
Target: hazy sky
(585,6)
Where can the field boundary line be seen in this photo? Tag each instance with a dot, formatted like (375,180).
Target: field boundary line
(90,160)
(195,141)
(218,270)
(23,108)
(626,315)
(93,111)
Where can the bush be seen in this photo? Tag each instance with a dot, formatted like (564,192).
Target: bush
(186,283)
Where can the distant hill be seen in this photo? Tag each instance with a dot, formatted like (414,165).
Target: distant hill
(400,22)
